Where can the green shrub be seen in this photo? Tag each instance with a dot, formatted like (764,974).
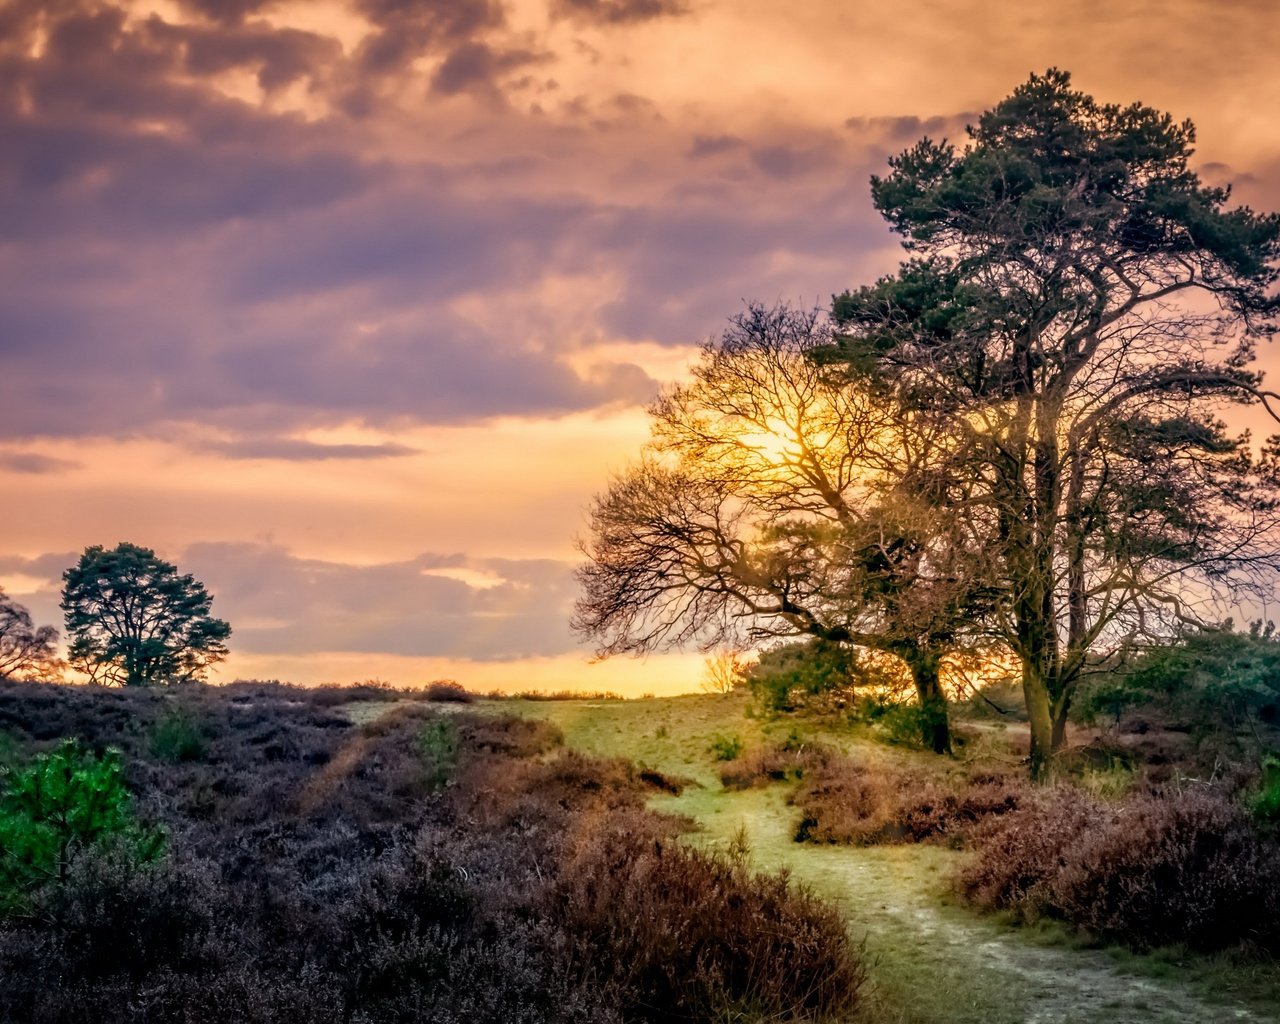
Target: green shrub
(898,723)
(176,737)
(10,751)
(788,675)
(1266,802)
(726,748)
(1223,682)
(439,746)
(62,802)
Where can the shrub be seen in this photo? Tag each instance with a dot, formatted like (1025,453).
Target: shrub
(772,762)
(63,802)
(899,723)
(515,737)
(1266,802)
(314,874)
(726,748)
(788,675)
(176,736)
(328,695)
(687,935)
(439,745)
(1222,685)
(1155,869)
(592,695)
(448,690)
(860,804)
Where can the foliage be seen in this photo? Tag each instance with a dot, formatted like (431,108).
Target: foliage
(176,736)
(64,802)
(1075,309)
(26,651)
(1173,867)
(1212,679)
(726,748)
(439,745)
(784,676)
(133,620)
(896,721)
(1266,802)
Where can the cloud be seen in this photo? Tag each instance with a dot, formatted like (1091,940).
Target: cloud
(291,449)
(713,145)
(276,56)
(34,463)
(478,68)
(492,610)
(404,30)
(619,12)
(906,129)
(434,605)
(226,11)
(264,263)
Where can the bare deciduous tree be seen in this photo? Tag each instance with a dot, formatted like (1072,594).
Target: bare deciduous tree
(776,500)
(26,651)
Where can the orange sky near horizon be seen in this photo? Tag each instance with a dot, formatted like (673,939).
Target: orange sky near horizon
(349,307)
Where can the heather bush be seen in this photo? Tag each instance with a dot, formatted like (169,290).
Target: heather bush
(687,935)
(846,801)
(1157,868)
(772,762)
(548,695)
(317,872)
(514,737)
(448,690)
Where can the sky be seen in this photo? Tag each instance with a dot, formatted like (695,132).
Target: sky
(347,307)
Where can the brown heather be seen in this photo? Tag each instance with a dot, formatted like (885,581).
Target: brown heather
(317,872)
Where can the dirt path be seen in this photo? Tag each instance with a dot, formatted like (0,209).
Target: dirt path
(943,963)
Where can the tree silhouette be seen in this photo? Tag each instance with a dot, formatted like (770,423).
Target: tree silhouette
(775,500)
(25,649)
(133,619)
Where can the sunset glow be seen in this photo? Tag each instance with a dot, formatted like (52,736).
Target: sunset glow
(348,308)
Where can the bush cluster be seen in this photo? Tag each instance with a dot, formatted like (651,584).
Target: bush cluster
(773,762)
(1158,868)
(859,803)
(418,868)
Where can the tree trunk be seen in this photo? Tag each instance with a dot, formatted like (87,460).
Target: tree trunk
(935,725)
(1039,711)
(1061,707)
